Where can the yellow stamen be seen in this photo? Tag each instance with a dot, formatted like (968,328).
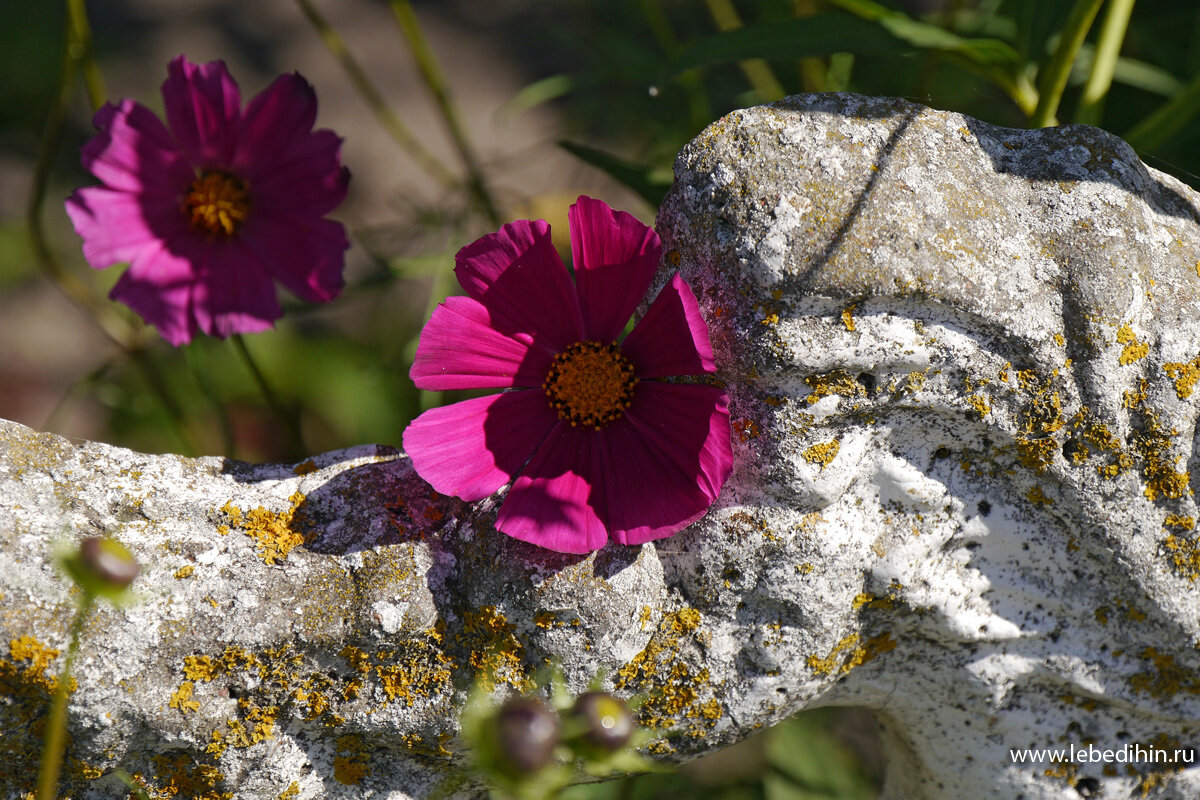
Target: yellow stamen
(590,384)
(216,203)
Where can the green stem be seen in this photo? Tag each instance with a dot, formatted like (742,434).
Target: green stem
(1167,120)
(435,79)
(756,70)
(76,52)
(660,28)
(228,444)
(1108,48)
(388,118)
(56,724)
(77,21)
(289,420)
(1053,79)
(154,379)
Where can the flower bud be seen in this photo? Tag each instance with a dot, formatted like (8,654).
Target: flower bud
(527,732)
(605,721)
(102,567)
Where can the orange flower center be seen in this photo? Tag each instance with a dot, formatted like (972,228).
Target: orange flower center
(216,203)
(590,384)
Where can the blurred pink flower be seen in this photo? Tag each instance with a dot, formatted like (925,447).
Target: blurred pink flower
(594,443)
(213,207)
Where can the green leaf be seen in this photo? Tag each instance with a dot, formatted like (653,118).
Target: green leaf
(867,29)
(649,182)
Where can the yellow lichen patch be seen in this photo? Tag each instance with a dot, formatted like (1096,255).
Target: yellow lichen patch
(1185,556)
(290,793)
(495,653)
(414,677)
(822,453)
(182,698)
(980,404)
(770,319)
(305,467)
(1158,466)
(672,687)
(272,530)
(1134,397)
(1038,497)
(837,382)
(181,776)
(545,619)
(1180,522)
(848,316)
(851,652)
(200,668)
(184,572)
(352,763)
(1185,376)
(358,659)
(1167,678)
(1134,350)
(1036,454)
(805,568)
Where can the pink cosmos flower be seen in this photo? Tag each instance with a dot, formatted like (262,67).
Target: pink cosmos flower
(213,207)
(594,442)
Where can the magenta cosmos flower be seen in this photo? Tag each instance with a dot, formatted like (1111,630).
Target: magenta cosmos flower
(213,207)
(594,442)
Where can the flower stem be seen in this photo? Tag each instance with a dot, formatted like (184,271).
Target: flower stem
(289,420)
(1053,80)
(1108,48)
(391,121)
(77,22)
(435,79)
(1166,120)
(76,52)
(757,71)
(191,357)
(56,724)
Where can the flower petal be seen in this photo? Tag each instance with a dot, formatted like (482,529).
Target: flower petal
(672,339)
(615,258)
(134,151)
(306,180)
(518,276)
(471,449)
(202,104)
(236,293)
(689,424)
(648,495)
(461,349)
(276,119)
(553,503)
(117,225)
(158,286)
(307,255)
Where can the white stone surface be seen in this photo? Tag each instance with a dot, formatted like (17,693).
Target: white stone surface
(963,499)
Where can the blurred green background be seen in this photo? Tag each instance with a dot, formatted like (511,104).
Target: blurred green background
(458,115)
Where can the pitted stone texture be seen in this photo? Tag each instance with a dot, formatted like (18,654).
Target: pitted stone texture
(316,625)
(962,361)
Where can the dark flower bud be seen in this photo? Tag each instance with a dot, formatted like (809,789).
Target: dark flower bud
(109,561)
(102,567)
(527,732)
(605,721)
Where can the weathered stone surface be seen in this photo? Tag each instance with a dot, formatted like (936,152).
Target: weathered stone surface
(962,361)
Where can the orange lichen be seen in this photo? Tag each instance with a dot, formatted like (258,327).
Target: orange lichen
(1185,376)
(848,653)
(822,453)
(837,382)
(200,668)
(182,698)
(1134,350)
(184,572)
(273,531)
